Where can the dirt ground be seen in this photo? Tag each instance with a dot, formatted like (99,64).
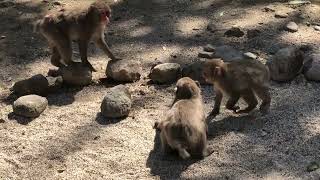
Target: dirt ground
(71,140)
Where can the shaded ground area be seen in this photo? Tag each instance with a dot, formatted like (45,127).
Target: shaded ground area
(71,140)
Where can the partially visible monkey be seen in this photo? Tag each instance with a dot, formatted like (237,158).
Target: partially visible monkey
(184,128)
(238,79)
(81,25)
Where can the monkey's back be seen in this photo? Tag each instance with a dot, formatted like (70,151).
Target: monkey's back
(186,124)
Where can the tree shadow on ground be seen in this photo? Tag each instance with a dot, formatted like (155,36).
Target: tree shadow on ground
(21,120)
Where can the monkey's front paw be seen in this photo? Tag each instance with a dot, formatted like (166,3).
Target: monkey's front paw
(155,126)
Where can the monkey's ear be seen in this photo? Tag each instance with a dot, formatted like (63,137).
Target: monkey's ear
(197,83)
(218,72)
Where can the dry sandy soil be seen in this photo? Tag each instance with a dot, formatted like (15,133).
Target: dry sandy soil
(71,140)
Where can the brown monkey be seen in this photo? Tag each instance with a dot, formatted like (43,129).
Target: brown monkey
(184,128)
(81,25)
(238,79)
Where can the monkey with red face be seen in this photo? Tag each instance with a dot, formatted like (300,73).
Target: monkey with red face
(80,25)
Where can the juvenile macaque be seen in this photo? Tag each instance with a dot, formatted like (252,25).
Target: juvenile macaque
(184,128)
(238,79)
(80,25)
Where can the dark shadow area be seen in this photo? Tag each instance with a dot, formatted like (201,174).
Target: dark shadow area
(232,123)
(100,119)
(21,120)
(166,166)
(64,95)
(109,82)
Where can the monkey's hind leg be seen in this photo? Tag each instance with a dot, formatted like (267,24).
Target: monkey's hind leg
(55,58)
(264,94)
(232,102)
(250,99)
(83,48)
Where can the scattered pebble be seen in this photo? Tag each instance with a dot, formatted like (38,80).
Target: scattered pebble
(3,37)
(297,2)
(250,55)
(281,15)
(313,166)
(209,48)
(207,55)
(165,73)
(292,27)
(60,170)
(234,32)
(317,28)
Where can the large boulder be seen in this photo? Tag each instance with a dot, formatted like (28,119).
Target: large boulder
(76,74)
(286,64)
(30,106)
(116,103)
(228,53)
(313,72)
(124,71)
(165,73)
(194,71)
(37,84)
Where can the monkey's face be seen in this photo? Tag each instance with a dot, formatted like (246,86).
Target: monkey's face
(208,74)
(212,71)
(105,16)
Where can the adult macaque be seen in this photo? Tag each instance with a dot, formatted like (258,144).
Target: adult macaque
(184,128)
(238,79)
(80,25)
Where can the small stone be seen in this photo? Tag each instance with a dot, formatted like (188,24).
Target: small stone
(165,73)
(124,71)
(292,27)
(269,8)
(313,166)
(228,53)
(234,32)
(2,120)
(96,138)
(30,106)
(60,170)
(252,33)
(250,55)
(76,74)
(263,133)
(209,48)
(317,28)
(297,2)
(207,55)
(281,15)
(212,28)
(117,102)
(56,3)
(37,84)
(3,37)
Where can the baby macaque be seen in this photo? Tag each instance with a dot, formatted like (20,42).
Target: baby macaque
(238,79)
(80,25)
(184,128)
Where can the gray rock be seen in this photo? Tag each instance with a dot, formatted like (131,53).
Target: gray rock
(194,71)
(313,72)
(209,48)
(269,8)
(124,71)
(212,28)
(117,102)
(252,33)
(234,32)
(30,106)
(297,2)
(317,28)
(228,53)
(286,64)
(37,84)
(207,55)
(165,73)
(250,55)
(76,74)
(313,166)
(292,27)
(281,14)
